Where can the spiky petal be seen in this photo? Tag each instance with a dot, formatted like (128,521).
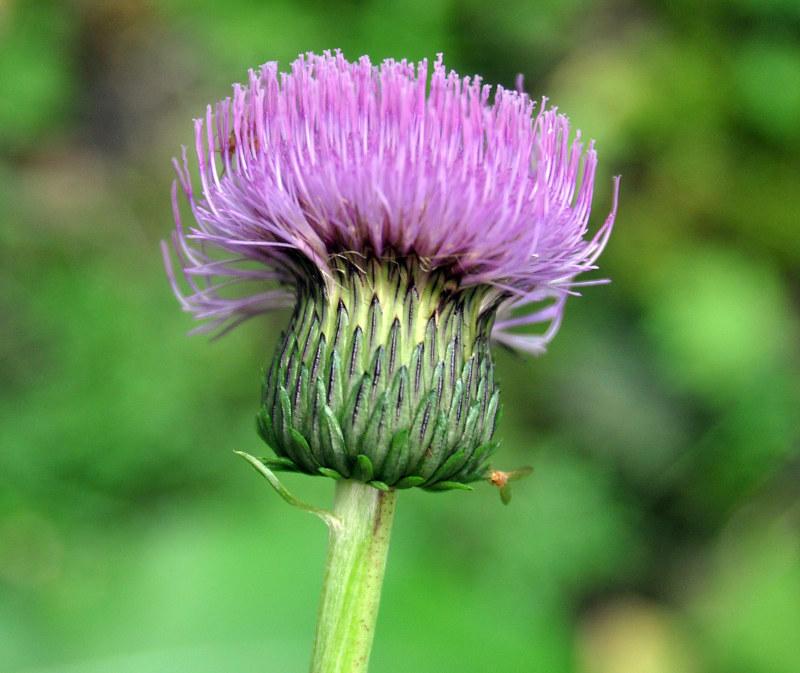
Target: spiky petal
(339,158)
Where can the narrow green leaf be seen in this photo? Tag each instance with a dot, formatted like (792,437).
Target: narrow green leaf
(329,518)
(397,459)
(476,467)
(399,415)
(378,372)
(280,464)
(430,342)
(448,486)
(456,418)
(335,390)
(283,422)
(342,322)
(416,367)
(394,347)
(264,427)
(355,415)
(437,449)
(354,354)
(410,304)
(373,442)
(489,418)
(449,372)
(409,482)
(333,445)
(327,472)
(300,396)
(374,326)
(301,447)
(291,366)
(430,359)
(437,384)
(471,425)
(449,467)
(421,430)
(362,470)
(318,363)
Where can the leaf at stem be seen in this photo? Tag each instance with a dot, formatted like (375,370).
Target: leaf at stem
(330,519)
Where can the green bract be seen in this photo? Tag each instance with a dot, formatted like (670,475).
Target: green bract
(384,376)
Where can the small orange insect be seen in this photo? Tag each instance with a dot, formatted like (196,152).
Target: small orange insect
(503,480)
(232,143)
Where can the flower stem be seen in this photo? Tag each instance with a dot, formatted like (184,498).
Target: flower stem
(351,583)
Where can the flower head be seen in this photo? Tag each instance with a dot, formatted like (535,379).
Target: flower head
(338,157)
(406,220)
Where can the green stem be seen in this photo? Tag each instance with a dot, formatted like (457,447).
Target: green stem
(351,584)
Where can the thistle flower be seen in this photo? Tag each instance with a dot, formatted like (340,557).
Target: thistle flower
(407,229)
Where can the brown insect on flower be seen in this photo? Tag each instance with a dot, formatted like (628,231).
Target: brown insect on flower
(231,147)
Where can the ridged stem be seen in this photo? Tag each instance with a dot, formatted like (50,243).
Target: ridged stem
(351,583)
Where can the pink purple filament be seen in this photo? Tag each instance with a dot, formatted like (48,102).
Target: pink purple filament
(385,161)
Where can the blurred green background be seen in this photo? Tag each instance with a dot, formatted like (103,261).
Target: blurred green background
(660,532)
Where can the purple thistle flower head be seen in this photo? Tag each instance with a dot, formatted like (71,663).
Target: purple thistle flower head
(339,158)
(408,222)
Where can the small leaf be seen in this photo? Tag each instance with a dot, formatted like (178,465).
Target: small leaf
(301,447)
(400,407)
(300,394)
(410,304)
(430,342)
(450,370)
(490,418)
(333,521)
(473,471)
(280,464)
(335,391)
(372,441)
(284,420)
(356,412)
(395,346)
(342,320)
(362,470)
(353,353)
(448,486)
(409,482)
(416,367)
(422,429)
(452,465)
(397,458)
(456,414)
(328,472)
(435,453)
(333,446)
(472,424)
(265,430)
(378,372)
(374,328)
(319,357)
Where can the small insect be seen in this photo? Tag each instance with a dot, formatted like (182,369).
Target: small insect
(503,480)
(231,145)
(229,148)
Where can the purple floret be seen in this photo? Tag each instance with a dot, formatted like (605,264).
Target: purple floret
(338,157)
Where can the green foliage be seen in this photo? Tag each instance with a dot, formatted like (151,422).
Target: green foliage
(660,520)
(37,73)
